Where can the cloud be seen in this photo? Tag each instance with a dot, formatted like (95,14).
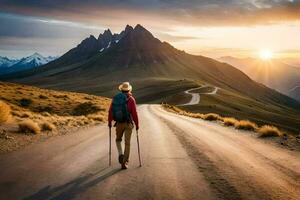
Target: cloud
(35,24)
(21,26)
(193,12)
(175,38)
(23,35)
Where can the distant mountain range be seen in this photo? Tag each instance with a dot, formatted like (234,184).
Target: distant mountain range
(16,65)
(159,72)
(273,73)
(6,62)
(135,54)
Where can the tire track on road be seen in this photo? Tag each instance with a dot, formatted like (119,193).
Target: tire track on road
(222,187)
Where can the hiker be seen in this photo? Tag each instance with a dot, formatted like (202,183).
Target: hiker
(123,111)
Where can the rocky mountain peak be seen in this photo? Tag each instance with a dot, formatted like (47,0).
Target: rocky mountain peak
(128,28)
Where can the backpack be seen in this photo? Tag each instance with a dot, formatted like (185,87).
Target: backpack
(119,108)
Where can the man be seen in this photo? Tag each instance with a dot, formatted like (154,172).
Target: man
(123,111)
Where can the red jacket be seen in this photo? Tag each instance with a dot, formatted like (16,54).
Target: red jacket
(131,105)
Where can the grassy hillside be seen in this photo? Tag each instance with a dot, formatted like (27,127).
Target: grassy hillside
(36,113)
(232,104)
(272,73)
(274,134)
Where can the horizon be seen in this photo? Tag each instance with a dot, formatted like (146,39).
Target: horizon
(250,56)
(230,28)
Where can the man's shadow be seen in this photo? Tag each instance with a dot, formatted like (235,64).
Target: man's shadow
(71,189)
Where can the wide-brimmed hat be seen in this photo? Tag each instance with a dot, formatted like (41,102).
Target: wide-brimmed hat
(126,87)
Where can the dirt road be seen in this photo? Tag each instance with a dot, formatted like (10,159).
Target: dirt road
(183,158)
(196,95)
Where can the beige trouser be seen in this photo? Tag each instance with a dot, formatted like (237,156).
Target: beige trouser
(122,128)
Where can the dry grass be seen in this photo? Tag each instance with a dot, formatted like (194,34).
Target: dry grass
(46,114)
(172,108)
(25,102)
(229,121)
(5,112)
(29,126)
(196,115)
(269,131)
(245,125)
(35,110)
(99,118)
(211,117)
(264,131)
(36,100)
(46,126)
(43,96)
(26,115)
(42,105)
(86,108)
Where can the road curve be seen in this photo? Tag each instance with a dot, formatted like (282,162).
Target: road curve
(183,158)
(196,96)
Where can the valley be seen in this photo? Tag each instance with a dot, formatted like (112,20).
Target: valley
(274,73)
(161,73)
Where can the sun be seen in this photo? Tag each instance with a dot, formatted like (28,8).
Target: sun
(265,54)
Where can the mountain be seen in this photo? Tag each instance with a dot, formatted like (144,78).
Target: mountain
(295,92)
(136,54)
(159,72)
(6,62)
(35,60)
(273,73)
(292,61)
(89,47)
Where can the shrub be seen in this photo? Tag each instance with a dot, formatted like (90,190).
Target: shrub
(88,98)
(80,123)
(172,108)
(211,117)
(26,115)
(4,112)
(29,126)
(46,126)
(245,125)
(16,113)
(43,97)
(229,121)
(61,96)
(25,102)
(42,109)
(269,131)
(46,114)
(85,109)
(196,115)
(97,118)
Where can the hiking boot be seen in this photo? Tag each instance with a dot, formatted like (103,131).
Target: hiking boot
(124,165)
(121,158)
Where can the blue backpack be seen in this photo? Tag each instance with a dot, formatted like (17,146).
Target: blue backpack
(119,108)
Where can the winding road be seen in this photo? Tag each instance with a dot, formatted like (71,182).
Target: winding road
(183,158)
(196,96)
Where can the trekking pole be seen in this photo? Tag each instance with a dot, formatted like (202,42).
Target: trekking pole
(109,146)
(138,143)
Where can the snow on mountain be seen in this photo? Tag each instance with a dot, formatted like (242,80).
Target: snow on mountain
(6,62)
(34,60)
(108,45)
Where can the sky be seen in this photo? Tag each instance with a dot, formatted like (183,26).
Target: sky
(212,28)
